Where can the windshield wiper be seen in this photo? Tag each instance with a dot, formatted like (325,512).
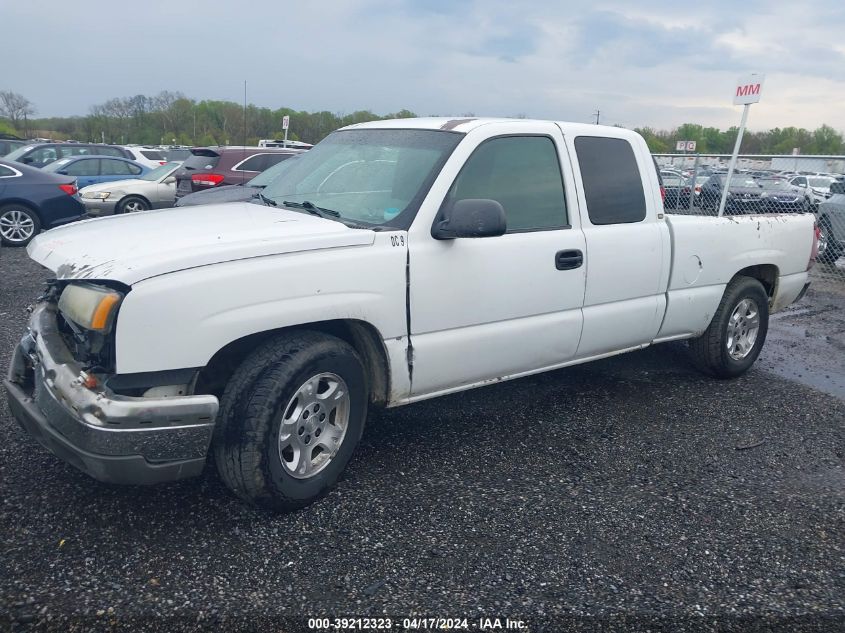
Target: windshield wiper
(312,208)
(266,200)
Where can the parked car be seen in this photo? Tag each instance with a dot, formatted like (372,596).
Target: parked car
(155,189)
(779,196)
(32,200)
(831,222)
(744,194)
(447,256)
(208,167)
(148,156)
(818,186)
(90,170)
(676,191)
(8,145)
(236,193)
(41,154)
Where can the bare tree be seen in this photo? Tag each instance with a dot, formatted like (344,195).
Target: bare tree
(15,107)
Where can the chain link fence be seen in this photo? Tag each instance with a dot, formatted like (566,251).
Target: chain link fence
(696,184)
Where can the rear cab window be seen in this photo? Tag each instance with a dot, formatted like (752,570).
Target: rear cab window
(613,186)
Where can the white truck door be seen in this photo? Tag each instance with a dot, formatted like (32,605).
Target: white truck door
(627,239)
(485,308)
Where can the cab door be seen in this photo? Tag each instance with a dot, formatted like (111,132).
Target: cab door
(481,309)
(628,241)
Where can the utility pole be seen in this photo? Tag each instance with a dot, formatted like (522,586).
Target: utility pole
(597,114)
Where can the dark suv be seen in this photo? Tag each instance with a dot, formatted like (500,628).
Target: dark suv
(208,167)
(40,154)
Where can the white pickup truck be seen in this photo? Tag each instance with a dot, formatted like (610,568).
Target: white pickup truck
(396,261)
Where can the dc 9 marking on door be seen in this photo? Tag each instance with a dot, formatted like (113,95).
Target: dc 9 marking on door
(397,240)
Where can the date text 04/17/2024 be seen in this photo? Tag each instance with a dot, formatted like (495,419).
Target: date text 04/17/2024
(418,624)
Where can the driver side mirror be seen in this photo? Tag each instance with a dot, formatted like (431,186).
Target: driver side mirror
(473,217)
(170,180)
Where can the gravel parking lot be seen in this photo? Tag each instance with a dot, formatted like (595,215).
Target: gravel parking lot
(631,492)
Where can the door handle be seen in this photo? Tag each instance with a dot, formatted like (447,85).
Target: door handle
(567,260)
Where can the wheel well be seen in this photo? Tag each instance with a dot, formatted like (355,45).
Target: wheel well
(362,336)
(766,274)
(21,203)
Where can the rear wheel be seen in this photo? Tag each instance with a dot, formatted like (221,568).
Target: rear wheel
(18,224)
(732,342)
(289,420)
(829,247)
(132,204)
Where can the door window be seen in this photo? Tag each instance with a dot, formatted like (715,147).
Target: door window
(522,173)
(111,167)
(83,167)
(612,183)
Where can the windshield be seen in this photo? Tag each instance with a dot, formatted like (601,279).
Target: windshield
(160,172)
(19,152)
(774,184)
(56,165)
(370,175)
(271,173)
(739,180)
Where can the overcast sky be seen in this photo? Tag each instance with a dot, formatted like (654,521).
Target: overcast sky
(640,62)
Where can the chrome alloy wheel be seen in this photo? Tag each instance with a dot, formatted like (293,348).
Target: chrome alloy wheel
(16,226)
(743,327)
(313,425)
(134,206)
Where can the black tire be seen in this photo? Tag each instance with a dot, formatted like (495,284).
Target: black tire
(7,233)
(132,204)
(710,350)
(246,436)
(833,250)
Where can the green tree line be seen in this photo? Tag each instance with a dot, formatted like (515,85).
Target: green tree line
(711,140)
(171,117)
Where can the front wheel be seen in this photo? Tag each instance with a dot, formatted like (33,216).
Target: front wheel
(829,247)
(290,419)
(735,336)
(132,204)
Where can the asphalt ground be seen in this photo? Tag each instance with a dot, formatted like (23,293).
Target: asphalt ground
(626,494)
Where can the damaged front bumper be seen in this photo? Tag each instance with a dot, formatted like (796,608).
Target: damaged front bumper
(113,438)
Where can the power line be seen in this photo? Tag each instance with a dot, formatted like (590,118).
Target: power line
(597,114)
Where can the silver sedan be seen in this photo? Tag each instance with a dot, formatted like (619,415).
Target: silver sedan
(154,190)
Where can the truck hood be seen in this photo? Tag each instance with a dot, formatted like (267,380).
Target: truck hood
(129,248)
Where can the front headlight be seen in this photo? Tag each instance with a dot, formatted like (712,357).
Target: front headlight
(96,195)
(89,306)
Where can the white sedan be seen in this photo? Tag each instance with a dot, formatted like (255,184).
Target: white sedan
(154,190)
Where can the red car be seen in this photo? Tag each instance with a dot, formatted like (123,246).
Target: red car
(208,167)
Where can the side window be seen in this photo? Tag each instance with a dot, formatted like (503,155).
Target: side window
(112,167)
(42,156)
(800,181)
(5,172)
(133,169)
(274,159)
(522,173)
(253,163)
(612,183)
(84,167)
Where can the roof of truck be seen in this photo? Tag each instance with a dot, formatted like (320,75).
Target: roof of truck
(467,124)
